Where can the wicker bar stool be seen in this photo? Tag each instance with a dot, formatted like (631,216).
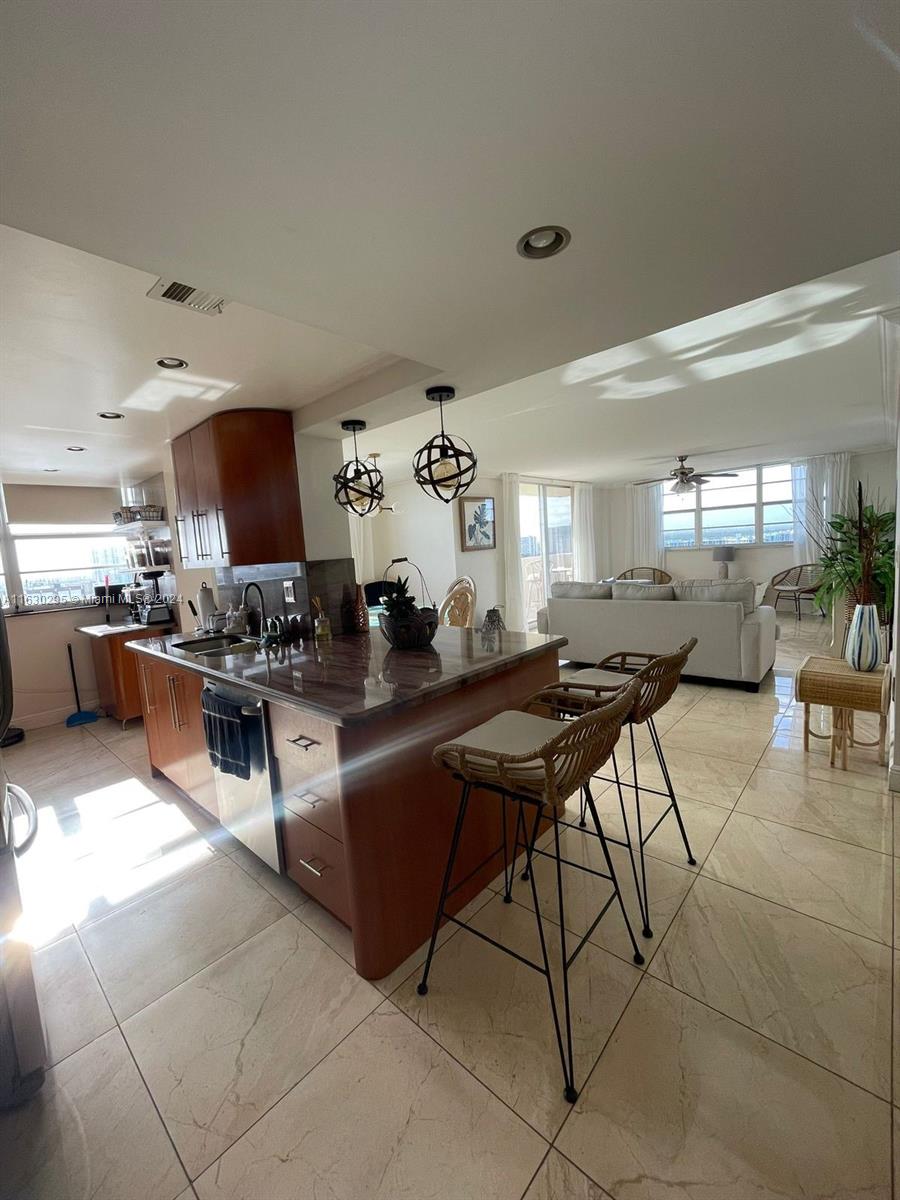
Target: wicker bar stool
(537,761)
(658,676)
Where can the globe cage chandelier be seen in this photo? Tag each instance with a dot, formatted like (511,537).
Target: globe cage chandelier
(445,467)
(358,486)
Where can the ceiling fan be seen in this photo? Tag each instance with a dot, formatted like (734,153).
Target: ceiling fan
(684,478)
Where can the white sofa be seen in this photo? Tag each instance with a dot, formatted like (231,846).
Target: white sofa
(735,639)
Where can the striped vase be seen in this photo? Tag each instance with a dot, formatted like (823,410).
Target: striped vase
(863,651)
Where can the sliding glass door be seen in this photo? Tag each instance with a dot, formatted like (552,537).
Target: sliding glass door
(545,528)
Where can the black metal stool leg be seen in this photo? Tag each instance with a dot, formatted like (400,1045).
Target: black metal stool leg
(582,810)
(657,745)
(445,886)
(645,907)
(509,875)
(638,957)
(569,1086)
(570,1093)
(645,917)
(529,847)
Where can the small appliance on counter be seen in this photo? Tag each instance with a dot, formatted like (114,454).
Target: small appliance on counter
(147,604)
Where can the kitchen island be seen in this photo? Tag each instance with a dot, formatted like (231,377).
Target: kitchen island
(363,816)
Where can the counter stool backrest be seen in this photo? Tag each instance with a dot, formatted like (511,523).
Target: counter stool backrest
(567,760)
(658,680)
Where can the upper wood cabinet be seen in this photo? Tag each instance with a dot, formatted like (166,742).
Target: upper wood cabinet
(237,490)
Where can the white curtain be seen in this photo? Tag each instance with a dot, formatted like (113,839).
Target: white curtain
(821,489)
(514,614)
(804,548)
(362,547)
(583,539)
(648,549)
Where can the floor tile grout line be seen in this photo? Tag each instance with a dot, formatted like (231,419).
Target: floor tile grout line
(814,832)
(645,971)
(768,1037)
(537,1172)
(118,1025)
(140,1073)
(468,1070)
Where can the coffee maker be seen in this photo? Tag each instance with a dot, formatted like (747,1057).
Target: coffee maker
(147,605)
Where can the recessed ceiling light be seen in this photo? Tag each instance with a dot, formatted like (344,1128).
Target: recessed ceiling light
(543,242)
(75,449)
(171,364)
(111,416)
(51,470)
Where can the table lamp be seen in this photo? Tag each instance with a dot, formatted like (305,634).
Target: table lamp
(723,555)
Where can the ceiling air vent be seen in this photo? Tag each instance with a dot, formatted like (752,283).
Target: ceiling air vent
(186,296)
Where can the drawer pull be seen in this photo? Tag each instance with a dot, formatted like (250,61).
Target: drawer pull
(309,798)
(315,865)
(303,743)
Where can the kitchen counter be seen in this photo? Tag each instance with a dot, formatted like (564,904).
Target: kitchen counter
(363,816)
(355,678)
(104,630)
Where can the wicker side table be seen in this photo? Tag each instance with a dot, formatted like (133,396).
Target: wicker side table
(833,683)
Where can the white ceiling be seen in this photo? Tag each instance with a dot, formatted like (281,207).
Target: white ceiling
(79,335)
(367,168)
(792,374)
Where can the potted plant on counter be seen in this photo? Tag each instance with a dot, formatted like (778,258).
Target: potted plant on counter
(403,624)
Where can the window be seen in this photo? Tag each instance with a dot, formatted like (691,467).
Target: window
(61,564)
(751,508)
(545,528)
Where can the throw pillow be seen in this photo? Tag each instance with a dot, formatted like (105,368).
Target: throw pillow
(580,591)
(642,591)
(735,591)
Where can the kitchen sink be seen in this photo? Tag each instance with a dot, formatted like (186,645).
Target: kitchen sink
(217,647)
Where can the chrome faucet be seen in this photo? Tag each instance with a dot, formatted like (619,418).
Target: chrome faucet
(262,604)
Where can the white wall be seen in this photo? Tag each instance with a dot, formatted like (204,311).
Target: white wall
(325,527)
(485,567)
(40,666)
(428,533)
(422,529)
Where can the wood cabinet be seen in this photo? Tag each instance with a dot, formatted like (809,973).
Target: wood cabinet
(173,721)
(237,490)
(116,669)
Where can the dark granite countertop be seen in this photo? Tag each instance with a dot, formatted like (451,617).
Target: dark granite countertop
(353,679)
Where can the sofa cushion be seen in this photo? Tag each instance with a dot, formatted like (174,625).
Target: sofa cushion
(581,591)
(642,591)
(734,591)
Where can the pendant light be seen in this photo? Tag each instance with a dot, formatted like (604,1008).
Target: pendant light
(358,486)
(445,467)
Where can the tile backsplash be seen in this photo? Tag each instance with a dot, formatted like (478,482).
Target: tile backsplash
(333,580)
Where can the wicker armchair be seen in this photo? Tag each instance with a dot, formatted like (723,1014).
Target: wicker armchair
(650,574)
(795,583)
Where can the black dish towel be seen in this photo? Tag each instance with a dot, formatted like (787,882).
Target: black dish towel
(227,735)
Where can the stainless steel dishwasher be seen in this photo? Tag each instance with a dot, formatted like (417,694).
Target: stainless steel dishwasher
(246,807)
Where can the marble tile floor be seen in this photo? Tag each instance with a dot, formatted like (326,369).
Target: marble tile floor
(210,1038)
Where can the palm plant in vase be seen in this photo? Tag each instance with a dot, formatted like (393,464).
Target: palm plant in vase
(857,562)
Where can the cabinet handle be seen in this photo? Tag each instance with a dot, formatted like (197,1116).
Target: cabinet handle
(315,865)
(145,689)
(198,533)
(222,550)
(303,743)
(181,553)
(309,798)
(177,722)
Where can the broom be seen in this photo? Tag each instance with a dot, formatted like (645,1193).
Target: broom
(80,717)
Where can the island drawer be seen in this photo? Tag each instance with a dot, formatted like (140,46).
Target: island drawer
(311,796)
(315,861)
(303,740)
